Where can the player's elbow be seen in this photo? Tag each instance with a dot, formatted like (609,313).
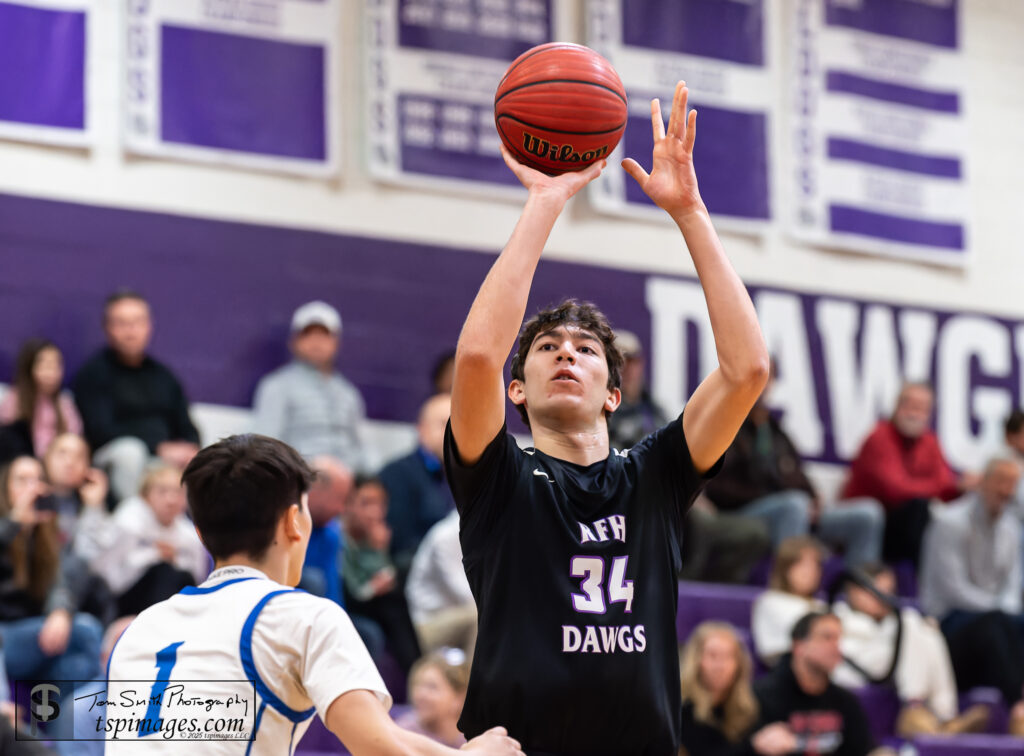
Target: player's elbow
(750,374)
(478,360)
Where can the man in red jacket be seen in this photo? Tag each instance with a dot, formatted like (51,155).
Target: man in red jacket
(901,465)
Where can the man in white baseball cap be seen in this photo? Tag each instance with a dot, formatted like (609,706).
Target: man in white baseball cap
(307,403)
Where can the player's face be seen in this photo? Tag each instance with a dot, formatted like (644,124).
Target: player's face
(718,664)
(565,379)
(434,700)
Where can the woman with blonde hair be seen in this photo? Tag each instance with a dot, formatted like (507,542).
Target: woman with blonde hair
(719,708)
(796,578)
(437,691)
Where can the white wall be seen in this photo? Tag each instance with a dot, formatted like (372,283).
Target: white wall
(994,103)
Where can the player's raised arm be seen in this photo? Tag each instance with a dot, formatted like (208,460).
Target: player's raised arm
(721,402)
(478,391)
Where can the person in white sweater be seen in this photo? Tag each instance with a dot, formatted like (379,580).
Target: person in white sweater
(148,549)
(795,579)
(923,675)
(440,601)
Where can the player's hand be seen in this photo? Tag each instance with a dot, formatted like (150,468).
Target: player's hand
(774,740)
(495,741)
(55,632)
(553,188)
(672,182)
(94,491)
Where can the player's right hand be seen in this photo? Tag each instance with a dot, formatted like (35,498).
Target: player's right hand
(496,742)
(556,188)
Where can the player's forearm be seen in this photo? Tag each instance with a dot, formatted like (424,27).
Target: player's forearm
(497,312)
(742,354)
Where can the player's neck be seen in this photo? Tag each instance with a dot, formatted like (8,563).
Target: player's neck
(582,447)
(274,566)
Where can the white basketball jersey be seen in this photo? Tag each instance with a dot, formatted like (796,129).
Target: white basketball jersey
(289,654)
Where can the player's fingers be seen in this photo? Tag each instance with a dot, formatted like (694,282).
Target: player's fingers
(677,120)
(593,170)
(633,168)
(691,132)
(657,123)
(499,730)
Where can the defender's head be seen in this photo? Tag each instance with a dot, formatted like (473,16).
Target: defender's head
(567,369)
(249,494)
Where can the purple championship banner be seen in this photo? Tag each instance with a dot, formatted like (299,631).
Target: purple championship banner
(223,294)
(878,141)
(721,50)
(43,71)
(432,67)
(248,84)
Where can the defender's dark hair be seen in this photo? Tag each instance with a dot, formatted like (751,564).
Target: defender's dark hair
(238,489)
(119,296)
(805,625)
(585,316)
(1015,422)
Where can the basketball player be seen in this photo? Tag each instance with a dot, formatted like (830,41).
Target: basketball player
(572,550)
(248,496)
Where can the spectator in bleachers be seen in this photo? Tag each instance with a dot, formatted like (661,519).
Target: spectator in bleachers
(148,550)
(638,415)
(972,559)
(437,690)
(418,494)
(816,715)
(901,465)
(795,581)
(74,485)
(442,373)
(923,674)
(321,572)
(440,600)
(369,577)
(719,708)
(133,406)
(36,398)
(77,488)
(1015,450)
(308,403)
(41,634)
(763,478)
(720,547)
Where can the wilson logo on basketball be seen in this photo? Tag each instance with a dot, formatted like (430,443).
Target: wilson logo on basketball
(561,152)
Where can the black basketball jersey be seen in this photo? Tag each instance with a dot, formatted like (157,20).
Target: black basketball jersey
(574,573)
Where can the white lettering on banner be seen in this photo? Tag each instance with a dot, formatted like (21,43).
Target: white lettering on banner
(857,397)
(963,339)
(917,334)
(674,304)
(839,385)
(781,317)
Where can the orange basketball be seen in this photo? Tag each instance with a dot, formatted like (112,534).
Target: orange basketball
(560,107)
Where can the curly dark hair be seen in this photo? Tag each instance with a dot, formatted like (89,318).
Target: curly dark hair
(583,315)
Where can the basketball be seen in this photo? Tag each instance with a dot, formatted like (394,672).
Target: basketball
(560,107)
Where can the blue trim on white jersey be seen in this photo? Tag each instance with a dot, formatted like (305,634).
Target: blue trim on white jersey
(245,652)
(255,727)
(291,740)
(192,590)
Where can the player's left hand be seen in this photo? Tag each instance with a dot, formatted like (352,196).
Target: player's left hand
(672,182)
(55,632)
(495,741)
(555,188)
